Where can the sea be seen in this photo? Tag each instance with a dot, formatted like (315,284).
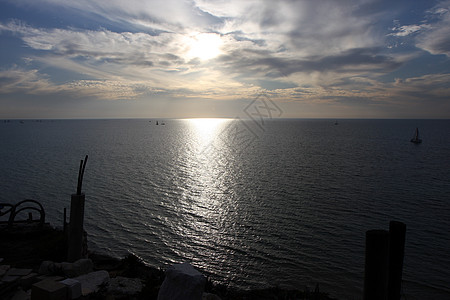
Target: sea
(251,203)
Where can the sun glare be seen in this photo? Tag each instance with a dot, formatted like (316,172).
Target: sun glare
(204,45)
(207,129)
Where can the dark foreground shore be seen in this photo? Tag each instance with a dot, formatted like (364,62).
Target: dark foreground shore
(26,247)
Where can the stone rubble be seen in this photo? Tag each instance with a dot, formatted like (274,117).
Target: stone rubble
(182,282)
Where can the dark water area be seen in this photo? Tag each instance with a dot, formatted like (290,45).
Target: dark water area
(285,203)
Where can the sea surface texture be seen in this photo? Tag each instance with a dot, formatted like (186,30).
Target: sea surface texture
(276,203)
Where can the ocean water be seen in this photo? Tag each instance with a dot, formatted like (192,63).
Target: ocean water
(282,202)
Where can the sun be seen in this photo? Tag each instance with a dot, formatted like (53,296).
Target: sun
(204,45)
(207,129)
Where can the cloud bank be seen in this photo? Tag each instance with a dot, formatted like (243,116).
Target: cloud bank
(295,51)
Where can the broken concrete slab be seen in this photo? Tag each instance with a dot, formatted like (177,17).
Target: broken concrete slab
(50,277)
(48,290)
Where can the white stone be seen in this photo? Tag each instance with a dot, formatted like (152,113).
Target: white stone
(93,281)
(182,282)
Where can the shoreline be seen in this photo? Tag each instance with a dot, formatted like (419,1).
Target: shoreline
(29,246)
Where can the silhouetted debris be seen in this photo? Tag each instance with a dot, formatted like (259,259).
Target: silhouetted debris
(25,248)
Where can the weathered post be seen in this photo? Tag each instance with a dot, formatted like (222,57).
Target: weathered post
(75,244)
(376,265)
(76,227)
(397,232)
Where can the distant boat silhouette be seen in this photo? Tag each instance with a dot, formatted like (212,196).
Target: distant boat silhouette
(336,123)
(416,139)
(157,123)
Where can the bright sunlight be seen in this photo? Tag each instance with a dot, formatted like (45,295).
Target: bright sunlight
(207,130)
(204,46)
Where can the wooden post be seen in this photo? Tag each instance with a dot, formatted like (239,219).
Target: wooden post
(64,222)
(376,265)
(397,232)
(74,251)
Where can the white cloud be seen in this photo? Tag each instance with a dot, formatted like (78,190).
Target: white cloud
(433,33)
(166,15)
(437,39)
(408,29)
(28,81)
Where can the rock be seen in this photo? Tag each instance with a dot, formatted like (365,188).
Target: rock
(182,282)
(209,296)
(125,286)
(48,267)
(93,281)
(78,268)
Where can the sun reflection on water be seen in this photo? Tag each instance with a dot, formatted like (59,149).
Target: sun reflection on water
(207,130)
(205,202)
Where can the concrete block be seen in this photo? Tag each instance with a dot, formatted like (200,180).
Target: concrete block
(48,290)
(73,288)
(50,277)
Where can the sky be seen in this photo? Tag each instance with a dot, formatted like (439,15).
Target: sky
(211,58)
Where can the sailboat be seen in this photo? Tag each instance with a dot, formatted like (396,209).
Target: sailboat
(416,139)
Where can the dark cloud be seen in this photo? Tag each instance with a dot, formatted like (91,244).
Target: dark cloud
(361,60)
